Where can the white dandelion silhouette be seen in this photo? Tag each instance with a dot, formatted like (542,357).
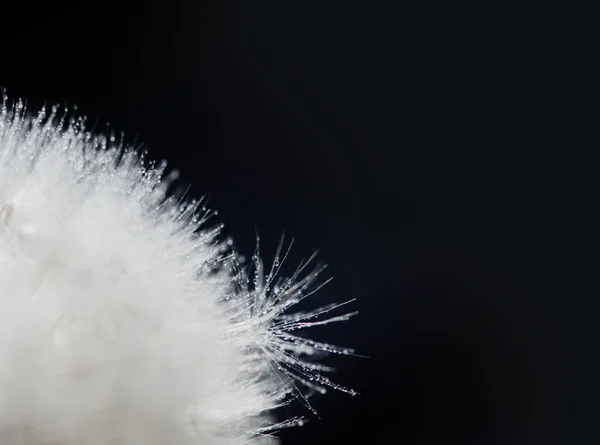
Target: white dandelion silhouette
(124,320)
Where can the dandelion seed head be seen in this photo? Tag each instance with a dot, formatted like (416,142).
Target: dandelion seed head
(125,317)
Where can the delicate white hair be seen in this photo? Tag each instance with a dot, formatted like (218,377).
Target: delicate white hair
(124,320)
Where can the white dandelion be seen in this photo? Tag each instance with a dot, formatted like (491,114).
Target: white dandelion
(124,320)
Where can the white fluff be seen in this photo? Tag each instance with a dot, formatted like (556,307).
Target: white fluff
(123,319)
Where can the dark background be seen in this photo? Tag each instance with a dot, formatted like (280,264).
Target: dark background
(425,152)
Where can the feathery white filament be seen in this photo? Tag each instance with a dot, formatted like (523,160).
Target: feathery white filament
(123,319)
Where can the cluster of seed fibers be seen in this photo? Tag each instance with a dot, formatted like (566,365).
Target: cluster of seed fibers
(124,320)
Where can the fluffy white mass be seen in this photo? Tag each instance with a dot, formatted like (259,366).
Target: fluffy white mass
(123,319)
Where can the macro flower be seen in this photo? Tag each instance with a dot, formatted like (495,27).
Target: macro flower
(125,319)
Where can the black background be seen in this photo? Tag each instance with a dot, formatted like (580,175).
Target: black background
(424,151)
